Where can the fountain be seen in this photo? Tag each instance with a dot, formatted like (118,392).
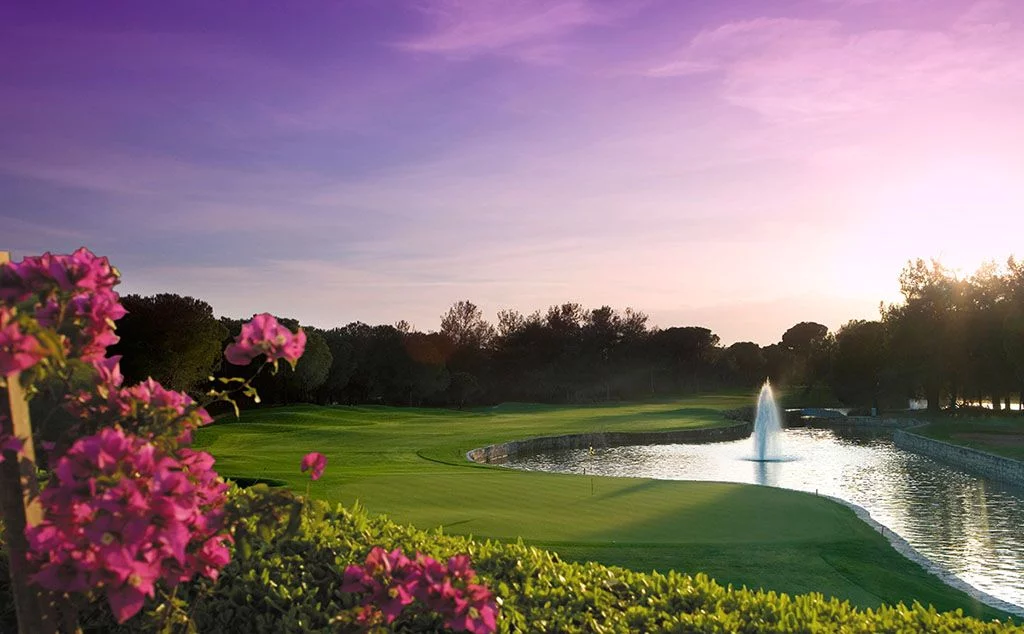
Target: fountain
(767,427)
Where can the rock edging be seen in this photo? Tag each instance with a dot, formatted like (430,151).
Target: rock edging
(930,566)
(501,452)
(878,421)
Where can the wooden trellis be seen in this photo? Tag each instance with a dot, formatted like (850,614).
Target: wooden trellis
(19,503)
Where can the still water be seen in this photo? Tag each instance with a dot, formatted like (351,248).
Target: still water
(972,526)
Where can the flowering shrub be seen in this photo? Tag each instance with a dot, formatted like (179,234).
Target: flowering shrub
(391,582)
(128,504)
(147,408)
(57,305)
(122,514)
(129,508)
(314,462)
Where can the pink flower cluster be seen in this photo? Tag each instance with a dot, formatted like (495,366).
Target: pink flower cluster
(121,514)
(82,271)
(314,462)
(72,294)
(391,582)
(146,407)
(18,349)
(264,335)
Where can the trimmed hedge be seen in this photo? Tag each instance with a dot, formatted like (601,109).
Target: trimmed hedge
(289,583)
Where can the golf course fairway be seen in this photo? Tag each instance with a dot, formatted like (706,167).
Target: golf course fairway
(410,464)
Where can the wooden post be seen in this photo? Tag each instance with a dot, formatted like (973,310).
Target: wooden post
(19,502)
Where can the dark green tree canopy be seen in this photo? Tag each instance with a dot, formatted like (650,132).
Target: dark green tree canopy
(952,339)
(312,369)
(805,337)
(464,325)
(746,362)
(858,362)
(174,339)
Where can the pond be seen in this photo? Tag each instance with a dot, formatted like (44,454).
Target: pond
(971,526)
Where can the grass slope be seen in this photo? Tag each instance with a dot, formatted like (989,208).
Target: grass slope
(410,464)
(1001,435)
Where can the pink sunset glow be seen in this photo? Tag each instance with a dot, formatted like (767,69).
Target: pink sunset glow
(738,165)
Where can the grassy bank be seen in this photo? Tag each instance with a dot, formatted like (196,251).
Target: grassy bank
(410,464)
(1002,435)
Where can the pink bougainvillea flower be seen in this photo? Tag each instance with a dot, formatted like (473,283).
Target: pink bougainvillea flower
(90,272)
(355,579)
(121,513)
(264,335)
(82,271)
(391,582)
(18,350)
(127,599)
(314,462)
(459,567)
(109,372)
(71,294)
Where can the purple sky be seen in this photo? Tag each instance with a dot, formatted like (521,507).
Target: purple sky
(742,165)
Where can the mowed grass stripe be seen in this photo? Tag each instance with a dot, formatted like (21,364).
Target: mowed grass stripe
(410,464)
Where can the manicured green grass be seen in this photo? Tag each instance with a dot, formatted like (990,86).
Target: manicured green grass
(411,465)
(1002,435)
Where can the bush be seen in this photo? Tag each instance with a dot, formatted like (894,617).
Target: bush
(743,414)
(292,584)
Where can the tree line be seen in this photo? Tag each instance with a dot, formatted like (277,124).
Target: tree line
(952,340)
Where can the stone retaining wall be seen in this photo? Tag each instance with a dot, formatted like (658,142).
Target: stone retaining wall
(878,421)
(856,421)
(496,454)
(980,462)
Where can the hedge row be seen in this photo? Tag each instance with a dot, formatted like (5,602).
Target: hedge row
(290,583)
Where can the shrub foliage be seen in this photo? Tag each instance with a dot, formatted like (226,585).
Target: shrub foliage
(289,580)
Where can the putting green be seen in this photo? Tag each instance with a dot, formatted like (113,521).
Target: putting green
(411,465)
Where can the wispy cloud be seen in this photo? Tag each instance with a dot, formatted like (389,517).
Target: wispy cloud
(529,29)
(789,67)
(27,234)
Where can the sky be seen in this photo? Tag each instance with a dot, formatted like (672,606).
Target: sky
(740,165)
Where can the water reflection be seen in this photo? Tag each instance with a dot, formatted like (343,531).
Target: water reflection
(969,525)
(763,473)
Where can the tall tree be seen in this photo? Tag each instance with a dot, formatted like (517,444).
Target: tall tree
(311,371)
(565,340)
(601,338)
(1013,326)
(685,356)
(464,325)
(808,345)
(174,339)
(926,332)
(429,377)
(986,307)
(805,338)
(744,364)
(343,366)
(859,362)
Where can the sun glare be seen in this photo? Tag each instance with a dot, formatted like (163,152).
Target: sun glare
(963,212)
